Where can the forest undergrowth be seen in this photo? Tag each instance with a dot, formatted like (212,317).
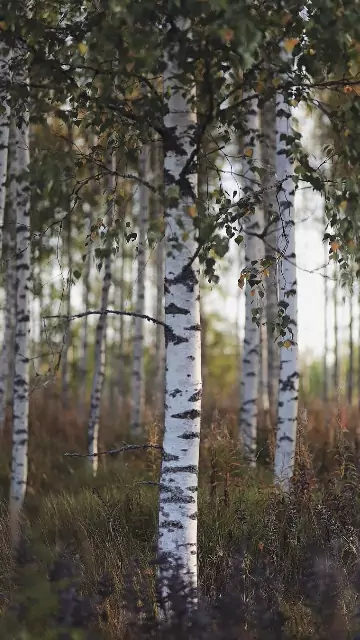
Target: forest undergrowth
(269,567)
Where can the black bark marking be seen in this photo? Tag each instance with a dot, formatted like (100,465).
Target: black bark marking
(191,413)
(175,393)
(196,396)
(189,436)
(173,309)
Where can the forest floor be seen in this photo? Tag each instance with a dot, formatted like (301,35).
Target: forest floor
(269,568)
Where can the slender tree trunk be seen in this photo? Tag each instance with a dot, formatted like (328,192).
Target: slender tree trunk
(336,332)
(289,372)
(100,336)
(251,351)
(326,329)
(137,379)
(85,337)
(268,158)
(65,382)
(121,349)
(4,129)
(264,372)
(350,377)
(19,463)
(160,264)
(9,246)
(177,539)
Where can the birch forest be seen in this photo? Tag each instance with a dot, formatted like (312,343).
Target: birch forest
(179,320)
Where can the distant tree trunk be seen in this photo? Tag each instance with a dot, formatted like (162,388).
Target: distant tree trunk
(336,336)
(326,329)
(65,381)
(100,336)
(160,265)
(85,337)
(251,351)
(177,533)
(137,397)
(121,349)
(289,370)
(19,463)
(268,159)
(350,377)
(9,247)
(5,55)
(264,372)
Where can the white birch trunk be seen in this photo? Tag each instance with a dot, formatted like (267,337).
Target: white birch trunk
(4,128)
(19,463)
(268,159)
(251,348)
(8,347)
(137,397)
(85,337)
(100,335)
(65,382)
(326,310)
(160,264)
(177,540)
(289,373)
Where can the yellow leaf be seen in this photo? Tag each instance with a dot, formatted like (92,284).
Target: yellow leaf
(241,281)
(290,44)
(185,236)
(260,87)
(334,246)
(287,344)
(82,48)
(266,273)
(3,25)
(249,152)
(343,205)
(276,82)
(294,103)
(192,211)
(312,52)
(252,292)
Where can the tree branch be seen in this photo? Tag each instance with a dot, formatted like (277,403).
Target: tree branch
(111,452)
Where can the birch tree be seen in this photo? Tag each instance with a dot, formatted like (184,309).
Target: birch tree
(268,161)
(137,378)
(160,262)
(5,54)
(289,373)
(65,381)
(350,376)
(85,330)
(20,156)
(251,348)
(7,349)
(177,534)
(100,334)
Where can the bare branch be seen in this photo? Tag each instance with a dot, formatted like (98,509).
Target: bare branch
(103,312)
(111,452)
